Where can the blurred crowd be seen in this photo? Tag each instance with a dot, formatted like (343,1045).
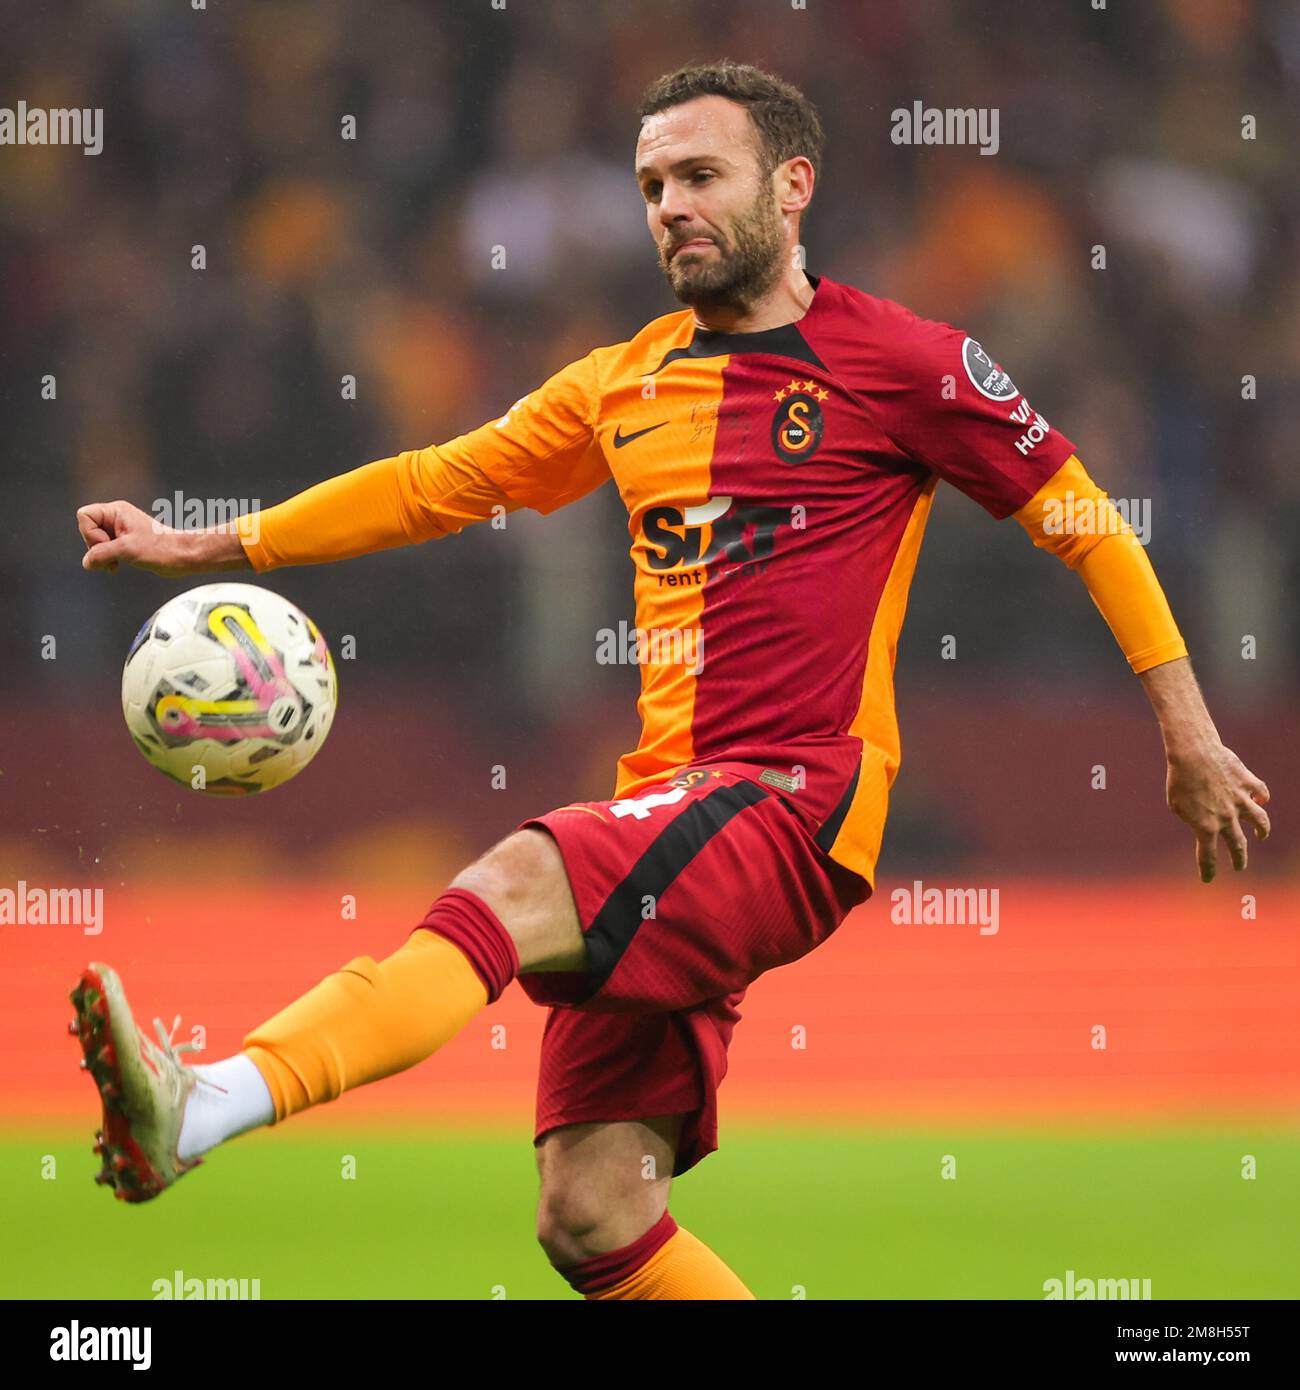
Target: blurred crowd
(326,257)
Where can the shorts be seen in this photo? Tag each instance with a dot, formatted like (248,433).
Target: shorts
(686,893)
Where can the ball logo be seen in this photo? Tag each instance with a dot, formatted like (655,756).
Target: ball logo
(986,376)
(797,427)
(284,714)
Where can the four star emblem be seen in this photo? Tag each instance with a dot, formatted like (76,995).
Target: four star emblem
(811,387)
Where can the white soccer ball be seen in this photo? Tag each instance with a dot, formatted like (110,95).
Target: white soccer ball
(229,689)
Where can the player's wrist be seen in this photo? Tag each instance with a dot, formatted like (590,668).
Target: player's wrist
(215,549)
(1186,728)
(1187,748)
(1189,736)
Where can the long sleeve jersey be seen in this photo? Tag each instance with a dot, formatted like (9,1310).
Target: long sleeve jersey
(777,486)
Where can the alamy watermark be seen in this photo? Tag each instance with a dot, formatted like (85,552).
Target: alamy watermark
(179,1287)
(654,646)
(1098,516)
(945,907)
(182,513)
(53,907)
(946,125)
(77,1343)
(37,125)
(1072,1287)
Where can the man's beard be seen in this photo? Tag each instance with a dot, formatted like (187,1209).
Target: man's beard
(746,267)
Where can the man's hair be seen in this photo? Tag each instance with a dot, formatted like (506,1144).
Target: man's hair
(785,120)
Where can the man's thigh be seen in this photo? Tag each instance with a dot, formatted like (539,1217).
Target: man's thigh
(619,1067)
(688,892)
(522,878)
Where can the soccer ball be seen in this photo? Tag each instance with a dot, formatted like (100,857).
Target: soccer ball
(229,689)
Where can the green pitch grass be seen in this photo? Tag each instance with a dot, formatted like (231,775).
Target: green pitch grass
(831,1213)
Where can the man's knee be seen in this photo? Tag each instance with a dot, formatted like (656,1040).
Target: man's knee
(572,1225)
(512,873)
(523,880)
(603,1185)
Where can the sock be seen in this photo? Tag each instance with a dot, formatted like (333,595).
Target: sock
(371,1019)
(665,1263)
(230,1099)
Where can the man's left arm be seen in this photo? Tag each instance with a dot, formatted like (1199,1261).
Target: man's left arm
(947,403)
(1207,785)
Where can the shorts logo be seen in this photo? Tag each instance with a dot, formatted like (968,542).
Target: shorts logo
(798,424)
(690,779)
(986,376)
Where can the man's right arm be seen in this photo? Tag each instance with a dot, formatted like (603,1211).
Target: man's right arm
(412,497)
(542,454)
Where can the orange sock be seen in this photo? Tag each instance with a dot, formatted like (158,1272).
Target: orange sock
(665,1263)
(373,1018)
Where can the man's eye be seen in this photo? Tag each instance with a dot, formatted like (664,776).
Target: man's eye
(653,191)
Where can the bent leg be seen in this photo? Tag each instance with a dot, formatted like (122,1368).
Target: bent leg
(603,1219)
(510,910)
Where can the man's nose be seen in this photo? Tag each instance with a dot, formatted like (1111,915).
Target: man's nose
(674,205)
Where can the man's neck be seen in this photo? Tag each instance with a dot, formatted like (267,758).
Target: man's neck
(786,302)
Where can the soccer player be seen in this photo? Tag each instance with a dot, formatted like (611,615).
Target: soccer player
(777,444)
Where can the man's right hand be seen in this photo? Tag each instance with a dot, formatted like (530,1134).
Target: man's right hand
(117,532)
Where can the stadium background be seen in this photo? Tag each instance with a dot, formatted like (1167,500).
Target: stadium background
(371,258)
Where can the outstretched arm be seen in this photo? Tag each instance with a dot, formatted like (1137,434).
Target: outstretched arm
(412,497)
(1207,785)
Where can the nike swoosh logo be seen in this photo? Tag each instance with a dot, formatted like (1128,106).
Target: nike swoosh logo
(620,438)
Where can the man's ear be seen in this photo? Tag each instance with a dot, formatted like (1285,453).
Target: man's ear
(794,183)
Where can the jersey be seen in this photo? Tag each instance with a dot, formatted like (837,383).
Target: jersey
(777,487)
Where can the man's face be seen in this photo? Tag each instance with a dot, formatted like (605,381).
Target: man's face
(710,208)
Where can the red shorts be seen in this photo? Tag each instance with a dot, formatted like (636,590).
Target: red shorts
(686,893)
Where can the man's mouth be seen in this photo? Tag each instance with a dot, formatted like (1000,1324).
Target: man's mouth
(695,244)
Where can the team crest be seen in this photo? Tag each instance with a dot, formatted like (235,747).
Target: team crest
(798,424)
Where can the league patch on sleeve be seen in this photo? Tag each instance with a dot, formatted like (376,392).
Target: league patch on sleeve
(986,376)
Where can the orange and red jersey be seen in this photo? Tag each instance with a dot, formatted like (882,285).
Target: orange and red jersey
(777,486)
